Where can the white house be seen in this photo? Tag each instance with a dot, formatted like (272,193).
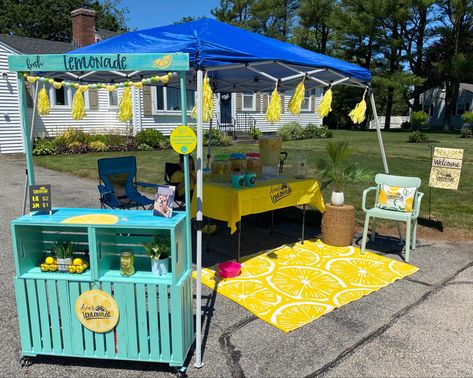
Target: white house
(433,103)
(153,107)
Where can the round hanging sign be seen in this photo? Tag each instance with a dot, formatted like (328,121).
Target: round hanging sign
(97,311)
(183,140)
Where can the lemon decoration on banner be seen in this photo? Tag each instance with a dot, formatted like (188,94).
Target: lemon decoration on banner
(183,140)
(97,310)
(92,219)
(163,62)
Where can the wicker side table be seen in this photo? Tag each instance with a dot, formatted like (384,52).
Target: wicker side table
(338,225)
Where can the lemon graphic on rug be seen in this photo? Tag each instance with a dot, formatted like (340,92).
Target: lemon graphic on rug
(256,267)
(92,219)
(361,272)
(295,256)
(325,250)
(306,283)
(293,315)
(251,294)
(346,296)
(401,269)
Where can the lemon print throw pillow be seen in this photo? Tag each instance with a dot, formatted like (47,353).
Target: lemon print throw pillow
(396,198)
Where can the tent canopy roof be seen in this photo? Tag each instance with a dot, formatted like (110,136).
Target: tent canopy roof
(236,59)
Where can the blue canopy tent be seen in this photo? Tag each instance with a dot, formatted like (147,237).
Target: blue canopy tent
(235,60)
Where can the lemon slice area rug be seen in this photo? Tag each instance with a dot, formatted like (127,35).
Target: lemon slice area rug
(293,285)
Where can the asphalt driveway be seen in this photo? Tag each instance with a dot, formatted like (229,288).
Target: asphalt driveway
(419,326)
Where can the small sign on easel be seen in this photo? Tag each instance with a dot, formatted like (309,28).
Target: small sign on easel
(40,198)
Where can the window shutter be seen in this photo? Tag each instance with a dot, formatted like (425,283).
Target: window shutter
(29,94)
(258,102)
(147,103)
(238,102)
(282,96)
(93,99)
(265,102)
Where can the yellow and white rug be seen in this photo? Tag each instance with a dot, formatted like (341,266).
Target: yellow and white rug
(293,285)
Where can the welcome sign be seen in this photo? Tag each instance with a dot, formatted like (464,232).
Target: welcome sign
(446,168)
(99,62)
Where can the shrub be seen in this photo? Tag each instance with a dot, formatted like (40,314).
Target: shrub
(255,133)
(214,137)
(418,119)
(417,137)
(76,147)
(467,117)
(406,125)
(329,134)
(466,132)
(98,138)
(151,137)
(291,131)
(115,141)
(44,147)
(310,131)
(225,140)
(98,146)
(72,135)
(164,144)
(145,147)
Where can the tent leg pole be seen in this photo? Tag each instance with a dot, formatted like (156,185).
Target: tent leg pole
(33,119)
(209,147)
(198,311)
(378,132)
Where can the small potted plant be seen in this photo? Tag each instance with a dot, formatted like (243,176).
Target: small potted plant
(63,252)
(159,252)
(338,170)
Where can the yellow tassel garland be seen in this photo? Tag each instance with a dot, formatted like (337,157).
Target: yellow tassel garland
(43,104)
(207,102)
(325,106)
(297,99)
(125,112)
(32,79)
(57,85)
(273,114)
(78,105)
(357,115)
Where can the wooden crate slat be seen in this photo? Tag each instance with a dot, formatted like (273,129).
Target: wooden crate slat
(122,326)
(132,330)
(143,327)
(88,334)
(154,339)
(34,315)
(76,325)
(54,314)
(44,316)
(164,329)
(65,311)
(108,337)
(23,315)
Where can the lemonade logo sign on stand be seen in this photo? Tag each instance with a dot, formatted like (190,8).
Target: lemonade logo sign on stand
(446,168)
(183,140)
(97,311)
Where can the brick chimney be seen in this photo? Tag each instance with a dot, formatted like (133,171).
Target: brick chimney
(83,27)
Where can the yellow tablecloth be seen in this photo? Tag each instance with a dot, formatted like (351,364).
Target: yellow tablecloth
(225,203)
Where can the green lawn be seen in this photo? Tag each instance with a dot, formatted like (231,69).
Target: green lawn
(453,208)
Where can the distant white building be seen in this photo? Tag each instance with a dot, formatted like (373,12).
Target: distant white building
(153,107)
(433,103)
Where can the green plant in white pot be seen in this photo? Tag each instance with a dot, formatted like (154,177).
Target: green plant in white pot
(338,170)
(159,252)
(63,252)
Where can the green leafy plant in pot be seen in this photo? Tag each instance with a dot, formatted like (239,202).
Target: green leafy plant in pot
(159,252)
(338,170)
(63,251)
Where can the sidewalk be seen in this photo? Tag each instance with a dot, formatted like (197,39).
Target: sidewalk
(419,326)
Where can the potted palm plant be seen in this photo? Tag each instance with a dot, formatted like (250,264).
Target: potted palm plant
(63,252)
(338,170)
(159,252)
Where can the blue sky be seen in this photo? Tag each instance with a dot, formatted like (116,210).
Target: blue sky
(145,14)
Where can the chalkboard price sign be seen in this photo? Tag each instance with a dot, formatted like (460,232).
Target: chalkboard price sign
(40,198)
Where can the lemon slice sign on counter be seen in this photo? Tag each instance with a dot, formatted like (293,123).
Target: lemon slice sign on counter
(97,310)
(92,219)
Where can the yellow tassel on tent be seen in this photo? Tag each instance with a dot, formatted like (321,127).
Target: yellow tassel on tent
(358,114)
(207,102)
(78,105)
(125,112)
(273,114)
(43,105)
(297,99)
(325,106)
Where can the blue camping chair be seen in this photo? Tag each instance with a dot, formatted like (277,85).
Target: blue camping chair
(118,185)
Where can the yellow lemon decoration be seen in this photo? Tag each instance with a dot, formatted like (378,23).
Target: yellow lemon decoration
(44,267)
(97,311)
(32,79)
(163,62)
(383,197)
(409,202)
(297,99)
(49,260)
(78,261)
(92,219)
(80,269)
(273,114)
(57,85)
(325,106)
(72,269)
(53,267)
(294,284)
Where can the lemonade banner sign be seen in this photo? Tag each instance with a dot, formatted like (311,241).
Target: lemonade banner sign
(446,168)
(99,62)
(97,311)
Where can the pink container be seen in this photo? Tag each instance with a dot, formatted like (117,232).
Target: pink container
(229,269)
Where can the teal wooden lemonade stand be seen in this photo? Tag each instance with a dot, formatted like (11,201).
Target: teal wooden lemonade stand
(155,313)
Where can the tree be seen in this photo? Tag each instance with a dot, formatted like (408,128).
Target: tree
(235,12)
(51,19)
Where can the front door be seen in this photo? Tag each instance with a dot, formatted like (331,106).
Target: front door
(225,108)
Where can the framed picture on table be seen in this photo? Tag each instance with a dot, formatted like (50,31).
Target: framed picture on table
(163,202)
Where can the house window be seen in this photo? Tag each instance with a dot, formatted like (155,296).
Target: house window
(426,108)
(249,101)
(113,99)
(305,106)
(431,109)
(169,99)
(462,108)
(61,97)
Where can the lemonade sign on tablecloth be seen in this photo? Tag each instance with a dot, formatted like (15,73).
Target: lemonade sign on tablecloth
(446,168)
(97,311)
